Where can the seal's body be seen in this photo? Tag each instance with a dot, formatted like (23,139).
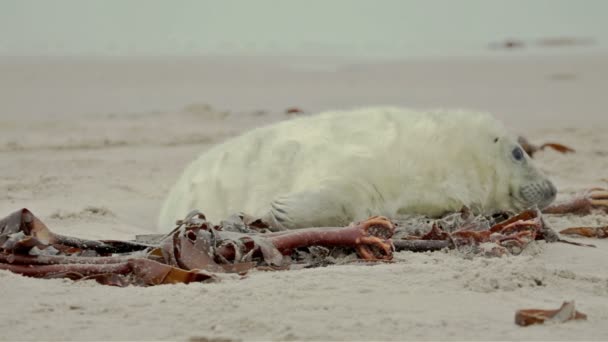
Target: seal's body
(336,167)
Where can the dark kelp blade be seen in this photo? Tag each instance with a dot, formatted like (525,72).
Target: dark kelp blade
(23,221)
(589,232)
(150,272)
(197,254)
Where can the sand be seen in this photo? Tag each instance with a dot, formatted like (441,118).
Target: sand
(92,146)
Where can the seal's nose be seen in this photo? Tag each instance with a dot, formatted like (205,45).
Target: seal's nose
(552,189)
(551,192)
(539,194)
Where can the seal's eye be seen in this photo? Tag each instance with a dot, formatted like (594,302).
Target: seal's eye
(518,154)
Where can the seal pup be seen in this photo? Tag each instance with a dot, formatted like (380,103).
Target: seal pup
(340,166)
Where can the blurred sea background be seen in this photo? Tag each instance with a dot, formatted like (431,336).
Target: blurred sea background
(316,28)
(544,59)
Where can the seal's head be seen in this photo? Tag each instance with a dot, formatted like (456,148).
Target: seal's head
(524,185)
(484,166)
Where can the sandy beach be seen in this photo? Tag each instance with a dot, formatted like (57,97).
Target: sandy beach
(92,146)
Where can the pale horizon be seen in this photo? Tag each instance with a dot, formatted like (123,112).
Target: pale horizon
(356,28)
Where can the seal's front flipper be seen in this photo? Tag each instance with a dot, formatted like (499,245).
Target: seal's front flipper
(316,208)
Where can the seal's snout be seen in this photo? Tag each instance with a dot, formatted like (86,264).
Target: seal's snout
(539,194)
(552,192)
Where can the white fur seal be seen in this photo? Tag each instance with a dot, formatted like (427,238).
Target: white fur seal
(337,167)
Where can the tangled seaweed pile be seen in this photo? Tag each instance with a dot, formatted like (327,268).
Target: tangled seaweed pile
(194,251)
(197,250)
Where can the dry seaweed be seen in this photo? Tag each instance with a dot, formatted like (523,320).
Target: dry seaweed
(531,149)
(565,313)
(589,232)
(194,251)
(595,199)
(509,236)
(197,250)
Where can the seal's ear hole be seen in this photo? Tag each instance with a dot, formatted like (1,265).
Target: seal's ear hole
(495,140)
